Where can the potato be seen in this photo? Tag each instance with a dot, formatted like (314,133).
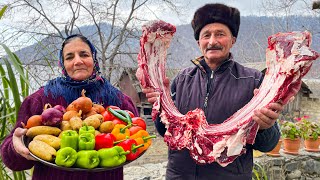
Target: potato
(106,127)
(65,125)
(94,120)
(51,140)
(37,130)
(75,123)
(96,132)
(42,150)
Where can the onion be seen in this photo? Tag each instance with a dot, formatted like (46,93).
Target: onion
(51,117)
(60,108)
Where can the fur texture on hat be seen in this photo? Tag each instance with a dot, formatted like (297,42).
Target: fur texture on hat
(220,13)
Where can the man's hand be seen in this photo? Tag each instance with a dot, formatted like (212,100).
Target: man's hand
(266,117)
(151,94)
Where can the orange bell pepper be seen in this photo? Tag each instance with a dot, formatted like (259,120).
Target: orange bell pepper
(121,131)
(143,137)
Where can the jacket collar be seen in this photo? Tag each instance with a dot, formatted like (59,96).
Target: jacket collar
(203,66)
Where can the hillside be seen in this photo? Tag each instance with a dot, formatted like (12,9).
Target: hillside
(250,46)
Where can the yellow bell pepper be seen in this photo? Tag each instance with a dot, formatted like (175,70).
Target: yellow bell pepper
(143,137)
(121,131)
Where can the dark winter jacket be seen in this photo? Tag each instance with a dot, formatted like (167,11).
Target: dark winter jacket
(220,93)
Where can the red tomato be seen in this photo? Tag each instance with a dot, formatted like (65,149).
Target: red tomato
(130,113)
(118,121)
(135,129)
(107,116)
(140,122)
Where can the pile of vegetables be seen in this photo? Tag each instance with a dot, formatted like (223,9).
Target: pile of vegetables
(87,135)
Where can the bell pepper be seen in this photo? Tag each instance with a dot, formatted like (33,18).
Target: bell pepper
(111,157)
(139,122)
(69,138)
(121,114)
(87,159)
(104,140)
(143,137)
(86,141)
(132,146)
(134,129)
(121,131)
(87,129)
(66,157)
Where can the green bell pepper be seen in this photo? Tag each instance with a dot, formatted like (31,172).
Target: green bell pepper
(86,141)
(69,138)
(87,129)
(66,157)
(87,159)
(111,157)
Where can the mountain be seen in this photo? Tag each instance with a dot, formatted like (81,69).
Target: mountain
(250,46)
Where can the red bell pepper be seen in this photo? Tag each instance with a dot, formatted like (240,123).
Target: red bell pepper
(140,122)
(104,140)
(130,113)
(107,115)
(130,145)
(135,129)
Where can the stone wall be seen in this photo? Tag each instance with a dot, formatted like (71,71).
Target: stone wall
(305,166)
(311,107)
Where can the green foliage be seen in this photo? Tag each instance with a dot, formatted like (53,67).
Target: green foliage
(10,101)
(309,129)
(3,9)
(290,130)
(258,172)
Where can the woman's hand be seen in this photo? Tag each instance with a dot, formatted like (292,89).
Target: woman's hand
(18,145)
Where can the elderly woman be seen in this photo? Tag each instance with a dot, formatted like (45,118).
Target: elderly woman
(80,70)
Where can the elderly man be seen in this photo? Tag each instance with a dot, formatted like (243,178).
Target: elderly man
(220,86)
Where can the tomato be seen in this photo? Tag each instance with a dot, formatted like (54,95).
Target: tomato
(118,121)
(130,113)
(140,122)
(107,116)
(135,129)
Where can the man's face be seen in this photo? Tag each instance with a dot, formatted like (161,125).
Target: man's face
(215,42)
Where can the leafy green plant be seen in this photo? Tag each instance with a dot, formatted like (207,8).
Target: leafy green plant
(290,130)
(258,172)
(309,129)
(10,100)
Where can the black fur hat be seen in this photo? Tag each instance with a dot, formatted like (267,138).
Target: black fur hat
(211,13)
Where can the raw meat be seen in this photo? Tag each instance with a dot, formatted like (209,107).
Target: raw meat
(288,59)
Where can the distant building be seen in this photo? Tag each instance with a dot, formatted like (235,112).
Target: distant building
(306,102)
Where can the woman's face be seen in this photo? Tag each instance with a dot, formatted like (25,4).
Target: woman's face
(78,60)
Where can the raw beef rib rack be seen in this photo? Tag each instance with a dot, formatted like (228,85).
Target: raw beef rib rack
(288,59)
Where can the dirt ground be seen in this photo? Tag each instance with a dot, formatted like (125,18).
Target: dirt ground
(156,153)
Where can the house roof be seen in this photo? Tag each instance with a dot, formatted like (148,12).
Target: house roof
(314,86)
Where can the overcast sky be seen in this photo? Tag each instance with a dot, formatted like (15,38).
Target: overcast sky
(246,8)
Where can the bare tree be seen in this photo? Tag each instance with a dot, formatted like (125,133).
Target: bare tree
(115,23)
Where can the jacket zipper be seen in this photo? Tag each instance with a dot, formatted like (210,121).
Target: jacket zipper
(208,91)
